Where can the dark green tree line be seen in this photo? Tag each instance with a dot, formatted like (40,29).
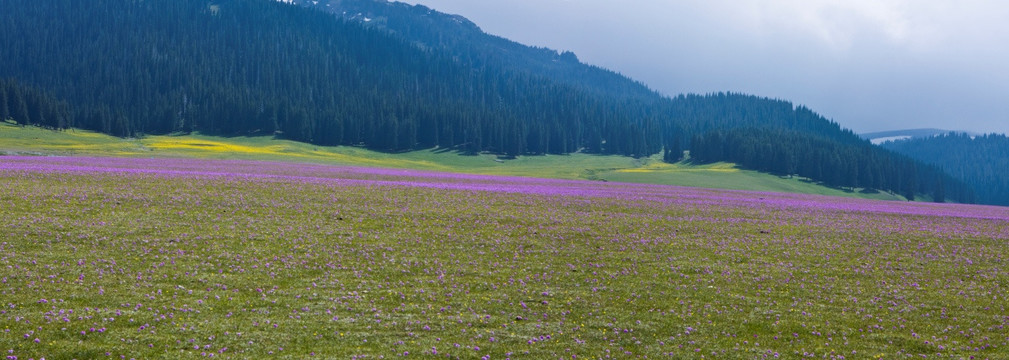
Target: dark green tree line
(835,163)
(27,105)
(980,161)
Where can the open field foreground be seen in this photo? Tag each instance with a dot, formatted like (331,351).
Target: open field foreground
(140,258)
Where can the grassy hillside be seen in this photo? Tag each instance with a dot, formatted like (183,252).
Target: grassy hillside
(35,141)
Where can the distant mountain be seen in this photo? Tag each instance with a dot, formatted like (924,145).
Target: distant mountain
(895,135)
(391,77)
(892,135)
(981,161)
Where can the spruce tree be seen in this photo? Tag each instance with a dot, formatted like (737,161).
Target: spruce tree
(4,112)
(18,106)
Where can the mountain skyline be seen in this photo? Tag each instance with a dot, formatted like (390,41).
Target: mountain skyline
(870,65)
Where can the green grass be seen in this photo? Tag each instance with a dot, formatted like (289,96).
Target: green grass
(31,140)
(114,265)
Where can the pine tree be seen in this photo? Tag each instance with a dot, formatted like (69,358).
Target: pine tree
(939,194)
(18,106)
(4,112)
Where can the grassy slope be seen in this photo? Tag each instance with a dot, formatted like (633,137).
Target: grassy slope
(29,140)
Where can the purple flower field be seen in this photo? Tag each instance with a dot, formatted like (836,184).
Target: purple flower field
(167,258)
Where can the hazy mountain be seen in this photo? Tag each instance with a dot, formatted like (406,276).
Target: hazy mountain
(896,135)
(892,135)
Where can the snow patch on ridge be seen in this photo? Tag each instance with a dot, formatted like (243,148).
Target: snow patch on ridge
(881,140)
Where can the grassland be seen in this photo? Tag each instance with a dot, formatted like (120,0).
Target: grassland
(161,258)
(29,140)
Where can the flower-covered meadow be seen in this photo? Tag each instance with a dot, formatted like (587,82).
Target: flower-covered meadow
(104,258)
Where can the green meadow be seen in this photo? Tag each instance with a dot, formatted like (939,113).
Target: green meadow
(36,141)
(136,258)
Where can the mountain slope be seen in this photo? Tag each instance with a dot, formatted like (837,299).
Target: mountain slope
(894,135)
(468,44)
(833,162)
(261,67)
(236,67)
(980,161)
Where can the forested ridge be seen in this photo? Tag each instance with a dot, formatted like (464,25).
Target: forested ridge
(835,163)
(260,67)
(980,161)
(243,67)
(469,45)
(25,105)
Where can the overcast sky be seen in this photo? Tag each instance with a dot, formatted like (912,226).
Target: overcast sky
(870,65)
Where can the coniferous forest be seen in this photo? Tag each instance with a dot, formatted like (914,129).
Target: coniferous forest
(470,46)
(260,67)
(834,163)
(30,106)
(981,161)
